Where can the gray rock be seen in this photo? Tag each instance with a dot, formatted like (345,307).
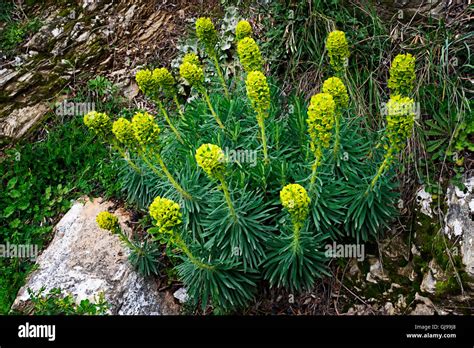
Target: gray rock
(459,222)
(21,120)
(84,261)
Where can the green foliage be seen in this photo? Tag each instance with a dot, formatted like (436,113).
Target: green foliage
(54,302)
(38,181)
(14,33)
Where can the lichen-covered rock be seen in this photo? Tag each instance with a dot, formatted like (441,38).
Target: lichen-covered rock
(459,223)
(84,260)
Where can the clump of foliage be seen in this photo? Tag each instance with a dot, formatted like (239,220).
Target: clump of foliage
(38,181)
(233,221)
(54,302)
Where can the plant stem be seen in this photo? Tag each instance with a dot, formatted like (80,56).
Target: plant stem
(317,162)
(165,114)
(182,245)
(127,241)
(261,124)
(209,104)
(337,136)
(221,76)
(296,235)
(173,182)
(125,157)
(178,106)
(150,165)
(228,199)
(382,168)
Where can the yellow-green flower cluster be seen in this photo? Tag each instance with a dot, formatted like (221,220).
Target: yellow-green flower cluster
(338,50)
(98,122)
(249,55)
(166,213)
(242,30)
(145,129)
(146,82)
(400,119)
(191,58)
(321,113)
(165,80)
(211,159)
(295,200)
(192,73)
(402,75)
(258,92)
(107,221)
(123,131)
(335,87)
(206,33)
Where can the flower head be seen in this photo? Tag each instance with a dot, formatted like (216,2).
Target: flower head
(165,80)
(249,55)
(338,50)
(145,129)
(206,33)
(123,131)
(335,87)
(400,120)
(146,82)
(191,58)
(295,200)
(107,221)
(98,122)
(211,159)
(192,73)
(243,29)
(321,113)
(166,214)
(402,75)
(258,92)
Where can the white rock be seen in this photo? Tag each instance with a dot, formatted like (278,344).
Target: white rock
(424,201)
(85,261)
(181,295)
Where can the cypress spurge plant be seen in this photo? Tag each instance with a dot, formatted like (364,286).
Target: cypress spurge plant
(206,278)
(336,88)
(294,258)
(400,120)
(150,83)
(207,35)
(258,93)
(146,132)
(211,159)
(338,51)
(402,75)
(194,75)
(249,55)
(243,29)
(321,118)
(100,124)
(167,84)
(143,256)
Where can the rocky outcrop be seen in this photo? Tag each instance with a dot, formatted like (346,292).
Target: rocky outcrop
(459,220)
(85,261)
(80,41)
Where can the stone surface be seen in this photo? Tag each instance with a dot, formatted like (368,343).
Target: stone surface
(84,261)
(80,41)
(459,223)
